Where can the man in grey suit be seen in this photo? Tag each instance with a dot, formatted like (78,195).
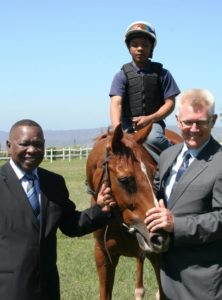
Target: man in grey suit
(190,207)
(28,268)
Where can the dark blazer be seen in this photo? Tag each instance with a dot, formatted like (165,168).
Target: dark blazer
(28,268)
(192,268)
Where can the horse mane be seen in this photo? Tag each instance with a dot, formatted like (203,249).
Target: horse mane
(125,147)
(103,135)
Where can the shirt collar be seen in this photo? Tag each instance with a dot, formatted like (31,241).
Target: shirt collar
(19,172)
(194,152)
(139,70)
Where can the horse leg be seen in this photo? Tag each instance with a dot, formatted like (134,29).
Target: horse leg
(106,271)
(139,291)
(155,261)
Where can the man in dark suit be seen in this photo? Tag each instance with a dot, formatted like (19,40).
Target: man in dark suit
(28,268)
(190,207)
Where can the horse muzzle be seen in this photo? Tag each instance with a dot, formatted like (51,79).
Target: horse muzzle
(150,242)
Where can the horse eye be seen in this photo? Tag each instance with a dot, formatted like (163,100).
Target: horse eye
(128,183)
(125,180)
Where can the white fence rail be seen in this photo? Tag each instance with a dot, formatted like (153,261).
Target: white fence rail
(58,153)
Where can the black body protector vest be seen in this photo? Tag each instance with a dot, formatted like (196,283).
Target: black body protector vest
(144,95)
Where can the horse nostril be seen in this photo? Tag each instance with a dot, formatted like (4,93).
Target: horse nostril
(157,239)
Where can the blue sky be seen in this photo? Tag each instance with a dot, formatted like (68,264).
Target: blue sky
(58,57)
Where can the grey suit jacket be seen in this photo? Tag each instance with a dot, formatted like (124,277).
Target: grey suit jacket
(28,268)
(192,268)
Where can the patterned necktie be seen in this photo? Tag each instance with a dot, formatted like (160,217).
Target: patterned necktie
(184,165)
(32,195)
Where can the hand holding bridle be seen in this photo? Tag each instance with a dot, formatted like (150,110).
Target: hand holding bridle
(105,198)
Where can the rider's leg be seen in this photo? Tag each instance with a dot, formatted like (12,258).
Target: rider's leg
(157,139)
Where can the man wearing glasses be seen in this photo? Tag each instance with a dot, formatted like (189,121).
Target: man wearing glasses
(188,185)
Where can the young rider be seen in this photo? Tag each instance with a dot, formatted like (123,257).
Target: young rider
(143,91)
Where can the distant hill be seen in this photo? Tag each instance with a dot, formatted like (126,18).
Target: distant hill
(64,138)
(80,137)
(83,137)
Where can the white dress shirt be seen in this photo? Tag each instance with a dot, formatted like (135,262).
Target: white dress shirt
(24,181)
(172,175)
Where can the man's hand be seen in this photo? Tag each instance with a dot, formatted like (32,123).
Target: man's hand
(105,199)
(159,218)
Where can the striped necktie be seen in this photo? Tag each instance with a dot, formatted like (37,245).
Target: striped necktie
(184,165)
(32,195)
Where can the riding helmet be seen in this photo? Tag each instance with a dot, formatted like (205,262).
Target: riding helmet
(140,29)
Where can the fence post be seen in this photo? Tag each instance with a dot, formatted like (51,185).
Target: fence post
(51,155)
(80,153)
(69,153)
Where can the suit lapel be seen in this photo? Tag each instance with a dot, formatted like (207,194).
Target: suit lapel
(167,163)
(44,205)
(19,196)
(198,166)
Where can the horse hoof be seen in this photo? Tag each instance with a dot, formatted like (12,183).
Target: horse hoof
(139,293)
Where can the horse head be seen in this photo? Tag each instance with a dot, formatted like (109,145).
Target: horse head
(124,164)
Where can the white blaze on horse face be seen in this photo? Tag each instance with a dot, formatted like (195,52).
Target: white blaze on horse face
(143,168)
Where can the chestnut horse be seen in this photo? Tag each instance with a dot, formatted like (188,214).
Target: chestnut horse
(121,161)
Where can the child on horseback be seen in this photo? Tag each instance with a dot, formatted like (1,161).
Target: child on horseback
(143,91)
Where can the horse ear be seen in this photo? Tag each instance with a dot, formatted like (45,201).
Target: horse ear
(141,135)
(116,139)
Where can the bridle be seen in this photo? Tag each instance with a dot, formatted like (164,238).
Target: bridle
(105,178)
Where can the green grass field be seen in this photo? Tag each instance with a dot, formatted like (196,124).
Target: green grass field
(78,276)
